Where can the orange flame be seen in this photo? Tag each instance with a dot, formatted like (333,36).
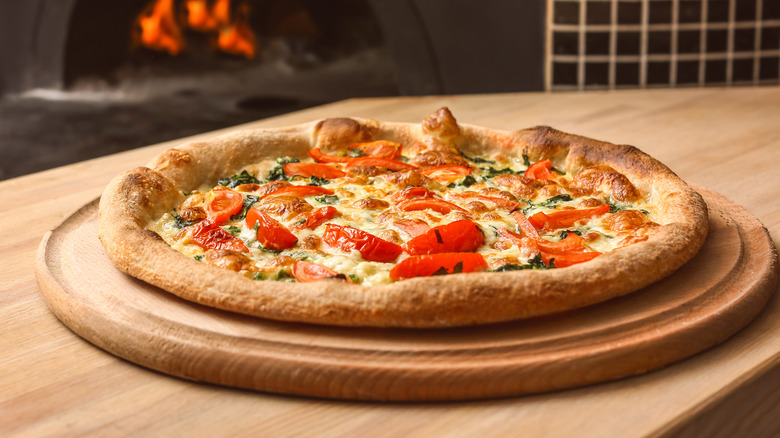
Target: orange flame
(203,19)
(159,30)
(238,38)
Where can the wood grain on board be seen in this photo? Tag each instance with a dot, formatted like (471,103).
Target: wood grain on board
(54,383)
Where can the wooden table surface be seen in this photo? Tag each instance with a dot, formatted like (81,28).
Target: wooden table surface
(53,383)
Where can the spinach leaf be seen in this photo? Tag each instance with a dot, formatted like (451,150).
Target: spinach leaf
(490,172)
(327,199)
(555,200)
(236,180)
(232,229)
(199,257)
(181,223)
(317,181)
(526,161)
(248,201)
(277,173)
(477,159)
(534,263)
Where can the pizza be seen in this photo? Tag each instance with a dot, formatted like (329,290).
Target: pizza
(357,222)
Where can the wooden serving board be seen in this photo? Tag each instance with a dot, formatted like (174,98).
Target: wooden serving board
(712,297)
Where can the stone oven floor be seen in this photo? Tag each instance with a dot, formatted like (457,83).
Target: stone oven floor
(43,129)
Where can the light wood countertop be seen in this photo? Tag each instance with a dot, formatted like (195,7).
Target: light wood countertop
(53,383)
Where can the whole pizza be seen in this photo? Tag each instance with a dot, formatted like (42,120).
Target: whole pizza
(358,222)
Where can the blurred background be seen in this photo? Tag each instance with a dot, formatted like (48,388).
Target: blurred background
(85,78)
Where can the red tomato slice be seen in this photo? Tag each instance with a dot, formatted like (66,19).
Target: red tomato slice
(304,272)
(211,236)
(447,172)
(438,264)
(539,170)
(499,202)
(438,205)
(525,225)
(318,217)
(564,260)
(380,149)
(412,227)
(380,162)
(372,248)
(308,170)
(520,241)
(301,191)
(270,233)
(317,155)
(222,203)
(458,236)
(571,244)
(565,218)
(411,193)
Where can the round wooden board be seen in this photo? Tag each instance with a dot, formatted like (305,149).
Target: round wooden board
(712,297)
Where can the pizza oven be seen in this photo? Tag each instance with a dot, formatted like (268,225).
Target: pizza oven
(109,76)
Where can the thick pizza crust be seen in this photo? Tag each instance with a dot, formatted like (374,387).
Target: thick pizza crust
(139,196)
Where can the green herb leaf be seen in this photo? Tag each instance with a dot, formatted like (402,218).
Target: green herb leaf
(249,200)
(181,223)
(477,159)
(236,180)
(258,276)
(199,257)
(490,172)
(327,199)
(441,271)
(534,263)
(555,200)
(355,278)
(526,161)
(277,173)
(317,181)
(232,229)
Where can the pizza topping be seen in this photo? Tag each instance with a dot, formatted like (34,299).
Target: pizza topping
(270,233)
(424,205)
(370,247)
(458,236)
(304,271)
(221,203)
(438,264)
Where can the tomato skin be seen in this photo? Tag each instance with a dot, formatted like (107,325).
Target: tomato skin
(565,218)
(305,272)
(437,205)
(447,172)
(380,162)
(525,225)
(411,193)
(222,203)
(412,227)
(270,233)
(520,241)
(211,236)
(318,217)
(371,248)
(459,236)
(317,155)
(539,170)
(308,170)
(571,244)
(300,191)
(428,265)
(569,259)
(380,149)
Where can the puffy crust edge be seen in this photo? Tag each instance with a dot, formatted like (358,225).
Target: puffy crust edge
(135,198)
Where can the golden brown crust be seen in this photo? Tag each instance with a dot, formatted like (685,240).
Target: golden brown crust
(139,196)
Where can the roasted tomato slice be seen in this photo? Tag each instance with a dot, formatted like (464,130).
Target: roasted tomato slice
(313,169)
(438,205)
(447,172)
(518,240)
(438,264)
(221,203)
(301,191)
(317,155)
(211,236)
(565,218)
(571,244)
(318,217)
(379,149)
(412,227)
(270,233)
(380,162)
(372,248)
(304,271)
(539,170)
(458,236)
(412,193)
(568,259)
(525,226)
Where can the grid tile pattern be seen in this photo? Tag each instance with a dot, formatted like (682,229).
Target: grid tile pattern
(608,44)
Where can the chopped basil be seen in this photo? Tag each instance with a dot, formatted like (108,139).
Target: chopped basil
(355,278)
(477,159)
(441,271)
(317,181)
(467,181)
(181,223)
(490,172)
(526,161)
(565,233)
(198,258)
(327,199)
(248,201)
(258,276)
(534,263)
(236,180)
(232,229)
(555,200)
(277,173)
(458,268)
